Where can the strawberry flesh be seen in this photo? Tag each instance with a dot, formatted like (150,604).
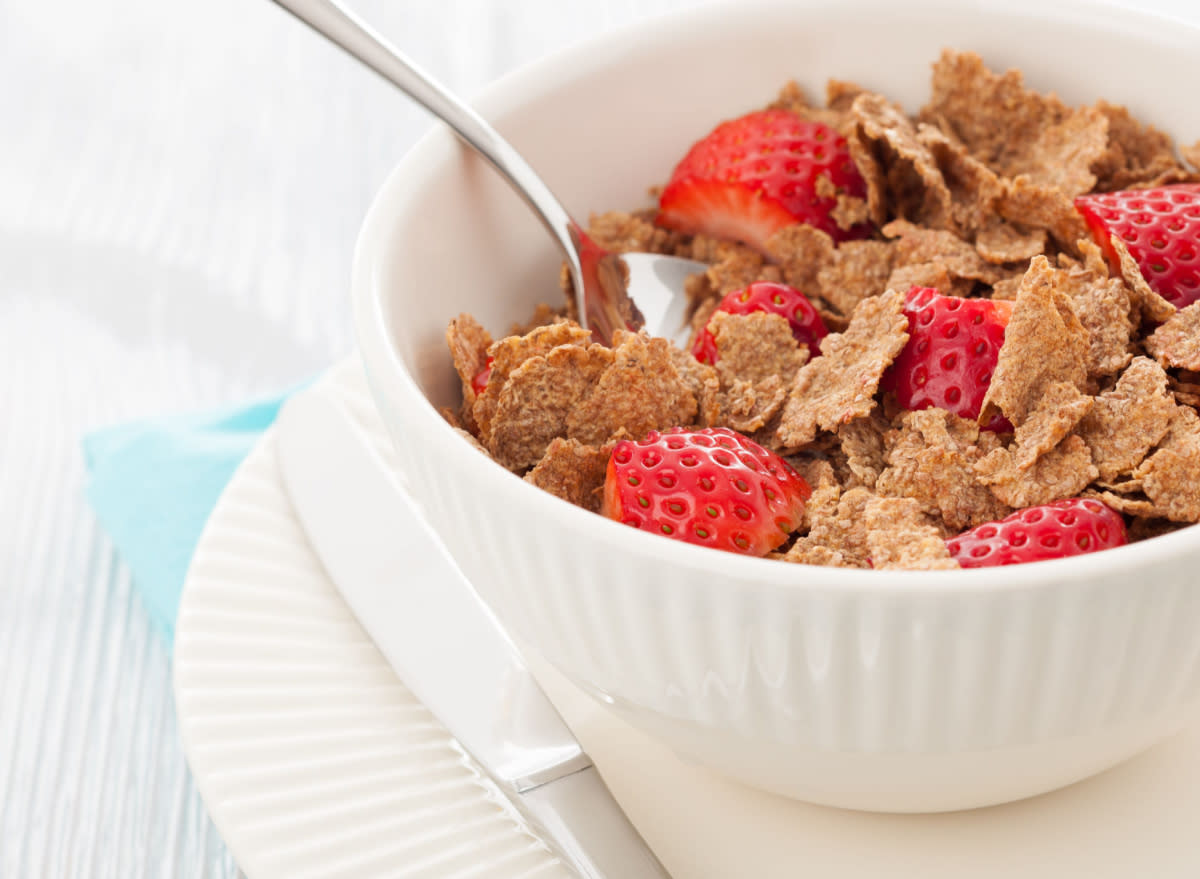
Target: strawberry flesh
(951,353)
(1160,228)
(711,487)
(479,381)
(754,175)
(788,302)
(1050,531)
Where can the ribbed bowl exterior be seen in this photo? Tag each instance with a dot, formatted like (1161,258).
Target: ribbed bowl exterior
(873,690)
(991,695)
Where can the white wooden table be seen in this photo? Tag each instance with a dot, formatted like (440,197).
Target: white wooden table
(180,189)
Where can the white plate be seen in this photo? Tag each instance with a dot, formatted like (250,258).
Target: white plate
(315,761)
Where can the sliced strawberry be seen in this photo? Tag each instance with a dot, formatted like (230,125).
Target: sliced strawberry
(787,302)
(1161,229)
(712,487)
(951,353)
(479,381)
(1050,531)
(756,174)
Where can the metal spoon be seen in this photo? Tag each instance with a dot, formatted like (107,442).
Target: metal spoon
(611,291)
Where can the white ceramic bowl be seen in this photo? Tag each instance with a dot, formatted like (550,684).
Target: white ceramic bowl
(884,691)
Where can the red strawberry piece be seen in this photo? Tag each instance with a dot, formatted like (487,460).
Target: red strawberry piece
(756,174)
(951,353)
(1161,229)
(788,302)
(1049,531)
(479,381)
(712,487)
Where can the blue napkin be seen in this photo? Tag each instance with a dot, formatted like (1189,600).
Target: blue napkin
(153,484)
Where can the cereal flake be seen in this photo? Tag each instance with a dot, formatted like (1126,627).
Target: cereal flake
(1137,154)
(1063,472)
(840,385)
(1014,130)
(509,353)
(1177,342)
(1128,420)
(901,536)
(864,445)
(1103,306)
(917,245)
(838,529)
(538,400)
(739,266)
(754,347)
(543,315)
(857,270)
(1145,300)
(1171,475)
(640,391)
(468,342)
(1061,407)
(802,251)
(974,187)
(750,406)
(931,458)
(1001,242)
(702,380)
(902,178)
(573,471)
(1042,207)
(1044,343)
(624,232)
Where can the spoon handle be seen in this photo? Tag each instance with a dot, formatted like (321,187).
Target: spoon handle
(356,38)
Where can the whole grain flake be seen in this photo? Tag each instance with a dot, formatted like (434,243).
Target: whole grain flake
(1001,242)
(509,353)
(1128,420)
(913,187)
(1103,306)
(1014,130)
(755,347)
(1177,342)
(1137,155)
(641,390)
(623,232)
(573,471)
(1149,305)
(931,458)
(802,253)
(1063,472)
(839,386)
(857,270)
(468,342)
(839,531)
(1044,344)
(975,189)
(748,407)
(1171,474)
(1061,407)
(540,397)
(900,535)
(864,442)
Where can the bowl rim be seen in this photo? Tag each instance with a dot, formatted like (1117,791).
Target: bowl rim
(527,83)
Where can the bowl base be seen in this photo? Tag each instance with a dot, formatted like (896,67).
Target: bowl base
(908,782)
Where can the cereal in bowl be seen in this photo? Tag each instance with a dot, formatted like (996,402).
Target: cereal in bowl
(965,337)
